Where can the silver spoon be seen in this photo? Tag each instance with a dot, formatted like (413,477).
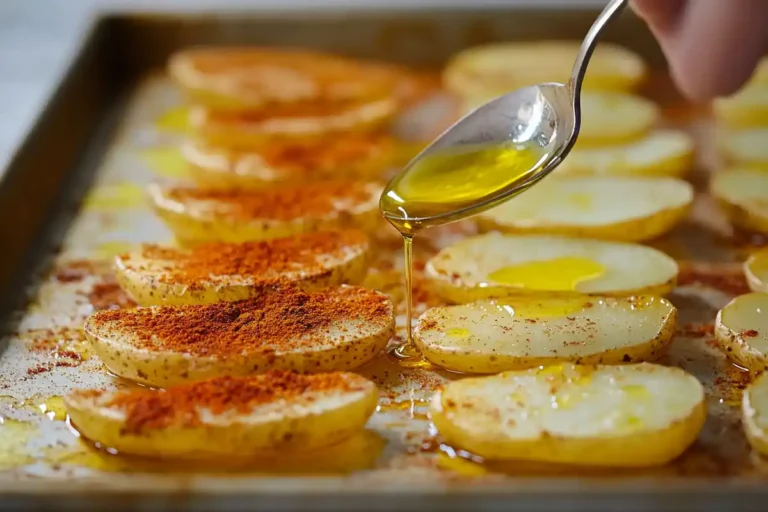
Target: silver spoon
(546,117)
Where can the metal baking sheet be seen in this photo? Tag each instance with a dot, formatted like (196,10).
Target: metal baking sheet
(71,199)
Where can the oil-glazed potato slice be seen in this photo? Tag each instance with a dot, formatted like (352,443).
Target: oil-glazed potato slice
(621,209)
(496,336)
(607,117)
(357,157)
(334,329)
(747,108)
(756,271)
(745,148)
(741,330)
(754,413)
(213,272)
(743,195)
(261,415)
(667,153)
(495,69)
(500,266)
(619,416)
(198,215)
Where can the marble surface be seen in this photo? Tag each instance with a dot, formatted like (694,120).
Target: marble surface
(38,38)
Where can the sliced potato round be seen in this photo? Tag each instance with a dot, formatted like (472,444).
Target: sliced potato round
(499,266)
(495,69)
(496,336)
(198,215)
(619,416)
(746,147)
(746,109)
(328,330)
(756,271)
(213,272)
(608,117)
(741,330)
(353,156)
(621,209)
(743,195)
(661,153)
(260,415)
(754,413)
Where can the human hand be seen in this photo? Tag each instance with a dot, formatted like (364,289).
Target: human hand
(712,46)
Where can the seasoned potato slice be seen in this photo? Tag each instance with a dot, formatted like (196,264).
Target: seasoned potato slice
(741,329)
(743,195)
(495,69)
(198,215)
(633,415)
(621,209)
(327,330)
(754,410)
(498,266)
(261,415)
(495,336)
(607,117)
(216,271)
(661,153)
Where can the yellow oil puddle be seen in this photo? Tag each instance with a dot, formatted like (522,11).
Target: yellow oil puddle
(14,437)
(559,274)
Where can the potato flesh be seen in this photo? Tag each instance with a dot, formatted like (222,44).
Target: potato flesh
(746,147)
(634,415)
(754,408)
(741,329)
(310,421)
(494,336)
(743,193)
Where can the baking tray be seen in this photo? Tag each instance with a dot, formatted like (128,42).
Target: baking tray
(90,137)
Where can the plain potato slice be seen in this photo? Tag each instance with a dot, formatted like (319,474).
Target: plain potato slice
(213,272)
(197,215)
(501,266)
(740,330)
(495,69)
(621,416)
(748,108)
(334,329)
(756,271)
(496,336)
(745,148)
(754,414)
(620,209)
(262,415)
(667,153)
(743,196)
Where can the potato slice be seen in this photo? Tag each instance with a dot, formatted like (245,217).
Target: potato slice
(661,153)
(745,148)
(328,330)
(756,271)
(495,336)
(621,209)
(741,330)
(499,266)
(213,272)
(494,69)
(747,108)
(261,415)
(608,117)
(352,156)
(754,413)
(198,215)
(743,195)
(620,416)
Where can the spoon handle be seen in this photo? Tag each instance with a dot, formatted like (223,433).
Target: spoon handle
(611,10)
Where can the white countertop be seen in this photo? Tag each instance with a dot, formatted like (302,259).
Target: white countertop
(38,38)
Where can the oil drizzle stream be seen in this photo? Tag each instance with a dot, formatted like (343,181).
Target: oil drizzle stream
(407,353)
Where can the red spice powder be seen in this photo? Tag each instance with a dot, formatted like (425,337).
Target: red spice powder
(109,295)
(727,279)
(281,320)
(179,405)
(280,203)
(751,333)
(264,259)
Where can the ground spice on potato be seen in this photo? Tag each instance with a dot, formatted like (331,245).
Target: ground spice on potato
(180,405)
(275,321)
(266,259)
(280,203)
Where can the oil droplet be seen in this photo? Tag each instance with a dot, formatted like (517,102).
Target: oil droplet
(636,391)
(174,120)
(14,437)
(559,274)
(548,308)
(53,408)
(115,197)
(166,161)
(581,201)
(457,332)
